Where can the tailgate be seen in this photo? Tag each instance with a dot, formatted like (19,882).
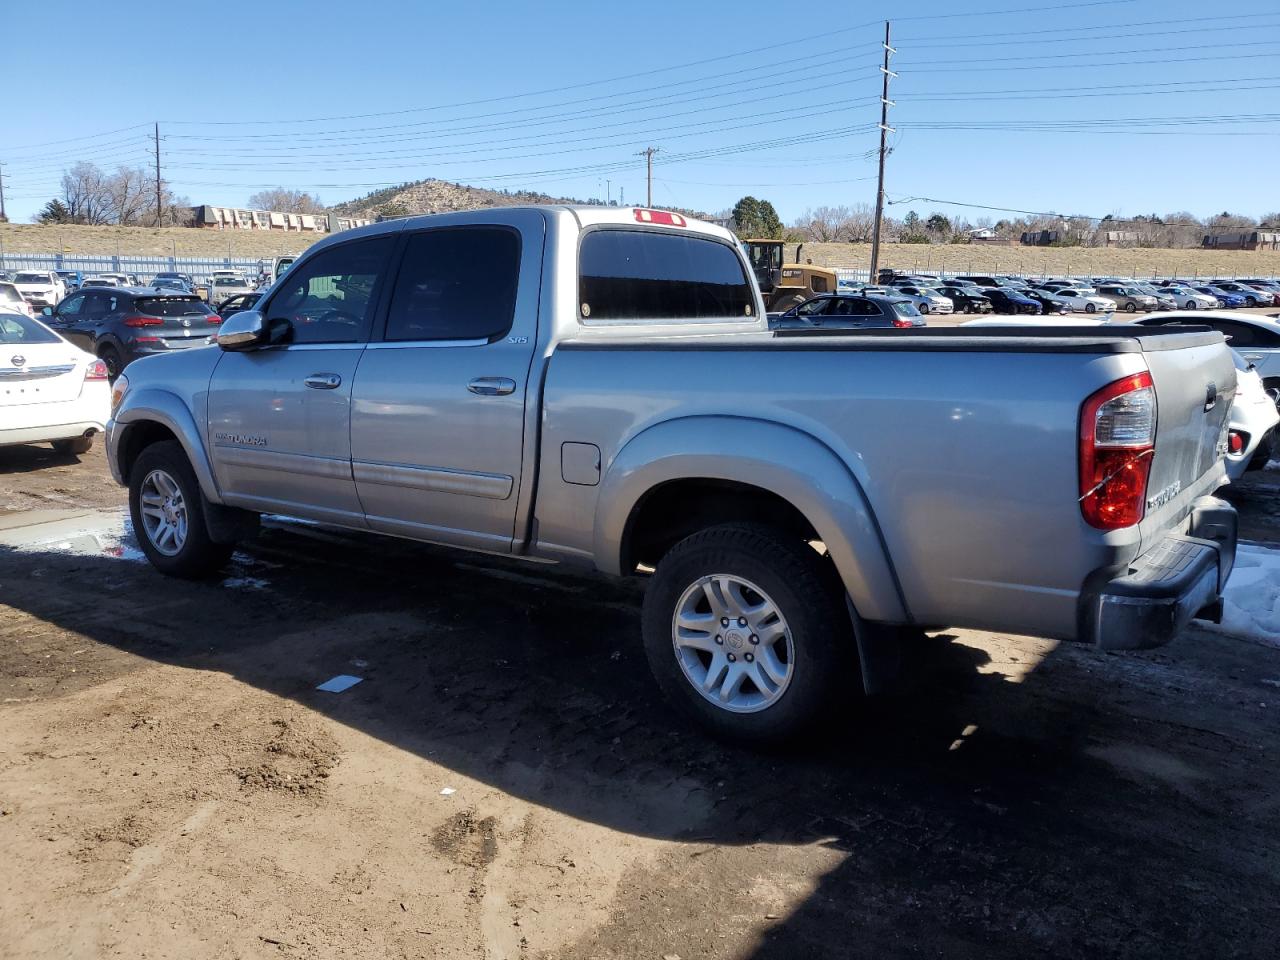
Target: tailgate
(1195,382)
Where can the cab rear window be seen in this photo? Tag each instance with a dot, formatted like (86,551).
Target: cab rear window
(646,276)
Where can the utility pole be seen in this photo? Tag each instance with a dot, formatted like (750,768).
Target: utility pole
(4,218)
(885,130)
(648,153)
(159,209)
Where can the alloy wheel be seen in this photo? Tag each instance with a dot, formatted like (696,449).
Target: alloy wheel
(732,643)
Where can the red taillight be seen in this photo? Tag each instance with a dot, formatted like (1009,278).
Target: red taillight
(903,322)
(1117,442)
(664,217)
(96,371)
(1235,442)
(142,321)
(146,339)
(214,319)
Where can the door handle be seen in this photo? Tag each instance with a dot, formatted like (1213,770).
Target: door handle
(492,386)
(323,381)
(1253,357)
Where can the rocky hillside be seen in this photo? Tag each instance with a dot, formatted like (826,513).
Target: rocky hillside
(441,196)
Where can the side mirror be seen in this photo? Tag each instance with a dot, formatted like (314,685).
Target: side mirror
(246,330)
(47,311)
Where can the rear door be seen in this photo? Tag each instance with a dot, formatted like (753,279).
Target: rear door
(280,416)
(438,418)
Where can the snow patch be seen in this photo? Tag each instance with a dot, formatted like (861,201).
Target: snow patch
(1251,602)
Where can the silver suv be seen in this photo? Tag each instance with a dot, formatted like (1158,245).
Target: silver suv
(1128,298)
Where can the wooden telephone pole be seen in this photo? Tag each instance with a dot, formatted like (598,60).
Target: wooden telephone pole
(648,153)
(885,130)
(159,208)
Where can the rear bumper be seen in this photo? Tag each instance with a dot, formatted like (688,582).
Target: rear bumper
(50,432)
(1180,579)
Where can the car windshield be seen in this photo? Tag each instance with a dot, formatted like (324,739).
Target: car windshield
(16,329)
(228,282)
(31,278)
(172,307)
(9,292)
(904,308)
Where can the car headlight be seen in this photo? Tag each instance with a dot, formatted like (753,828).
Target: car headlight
(118,390)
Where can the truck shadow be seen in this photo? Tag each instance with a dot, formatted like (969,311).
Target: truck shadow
(975,816)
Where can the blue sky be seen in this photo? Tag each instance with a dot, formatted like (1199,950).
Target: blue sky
(1112,107)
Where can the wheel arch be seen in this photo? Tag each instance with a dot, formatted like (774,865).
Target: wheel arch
(746,460)
(152,415)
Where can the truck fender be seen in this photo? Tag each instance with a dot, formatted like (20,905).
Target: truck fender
(774,457)
(167,409)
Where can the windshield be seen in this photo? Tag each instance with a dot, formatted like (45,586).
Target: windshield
(905,309)
(228,282)
(31,278)
(16,329)
(9,292)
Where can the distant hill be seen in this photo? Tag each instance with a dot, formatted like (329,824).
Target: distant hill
(441,196)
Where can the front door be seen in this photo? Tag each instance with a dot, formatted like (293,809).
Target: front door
(280,416)
(438,421)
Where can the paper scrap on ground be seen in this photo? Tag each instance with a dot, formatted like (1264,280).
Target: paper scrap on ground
(448,792)
(1251,605)
(339,683)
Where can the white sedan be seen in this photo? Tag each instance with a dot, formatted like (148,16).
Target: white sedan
(50,390)
(1079,299)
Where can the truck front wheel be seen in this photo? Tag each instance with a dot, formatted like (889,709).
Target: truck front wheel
(167,509)
(746,632)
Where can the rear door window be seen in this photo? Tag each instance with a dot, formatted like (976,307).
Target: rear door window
(456,284)
(637,275)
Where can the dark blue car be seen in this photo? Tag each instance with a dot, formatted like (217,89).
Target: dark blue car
(1004,300)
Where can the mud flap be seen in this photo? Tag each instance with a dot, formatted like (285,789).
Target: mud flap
(879,651)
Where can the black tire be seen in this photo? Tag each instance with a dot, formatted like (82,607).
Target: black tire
(111,357)
(1251,301)
(74,445)
(924,308)
(806,592)
(1090,308)
(198,556)
(1130,307)
(1191,305)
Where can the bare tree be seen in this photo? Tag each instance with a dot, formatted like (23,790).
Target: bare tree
(85,194)
(127,194)
(860,223)
(286,201)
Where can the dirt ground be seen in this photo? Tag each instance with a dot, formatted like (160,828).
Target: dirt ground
(505,782)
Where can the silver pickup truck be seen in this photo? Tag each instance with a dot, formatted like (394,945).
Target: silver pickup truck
(599,387)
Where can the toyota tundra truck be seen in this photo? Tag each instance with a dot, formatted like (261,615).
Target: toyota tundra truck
(599,387)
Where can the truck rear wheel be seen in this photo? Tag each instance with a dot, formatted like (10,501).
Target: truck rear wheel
(746,632)
(167,509)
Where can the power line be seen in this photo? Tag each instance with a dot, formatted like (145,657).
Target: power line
(969,66)
(658,70)
(949,39)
